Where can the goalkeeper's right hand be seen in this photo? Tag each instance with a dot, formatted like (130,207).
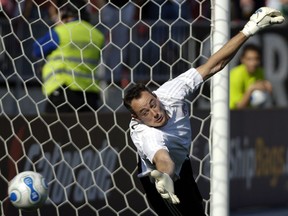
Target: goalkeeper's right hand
(165,186)
(263,17)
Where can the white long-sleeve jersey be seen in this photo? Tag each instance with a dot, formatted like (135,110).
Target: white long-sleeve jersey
(175,135)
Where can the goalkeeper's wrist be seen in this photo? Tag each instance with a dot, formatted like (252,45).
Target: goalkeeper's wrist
(246,33)
(250,29)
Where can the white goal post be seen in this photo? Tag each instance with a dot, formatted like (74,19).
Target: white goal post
(220,118)
(88,158)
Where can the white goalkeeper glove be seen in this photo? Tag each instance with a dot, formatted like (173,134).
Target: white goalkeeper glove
(263,17)
(165,186)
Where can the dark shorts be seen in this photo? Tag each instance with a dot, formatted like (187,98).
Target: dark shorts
(191,201)
(66,100)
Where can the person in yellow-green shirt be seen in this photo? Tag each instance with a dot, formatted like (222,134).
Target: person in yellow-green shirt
(248,77)
(72,52)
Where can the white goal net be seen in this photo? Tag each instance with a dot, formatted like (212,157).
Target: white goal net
(87,157)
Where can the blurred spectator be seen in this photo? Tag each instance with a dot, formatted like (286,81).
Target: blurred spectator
(82,6)
(200,9)
(38,9)
(9,45)
(162,28)
(93,8)
(72,50)
(48,10)
(8,8)
(170,10)
(118,17)
(247,78)
(274,4)
(243,9)
(284,7)
(281,5)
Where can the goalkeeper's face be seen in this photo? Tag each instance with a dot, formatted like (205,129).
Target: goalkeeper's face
(149,110)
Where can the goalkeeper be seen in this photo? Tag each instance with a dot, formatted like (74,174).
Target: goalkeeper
(160,127)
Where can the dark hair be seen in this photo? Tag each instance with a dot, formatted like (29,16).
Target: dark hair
(134,93)
(74,9)
(250,47)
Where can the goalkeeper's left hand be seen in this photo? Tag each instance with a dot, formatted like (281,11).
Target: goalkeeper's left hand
(262,18)
(165,186)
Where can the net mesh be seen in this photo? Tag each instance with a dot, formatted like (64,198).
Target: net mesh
(87,157)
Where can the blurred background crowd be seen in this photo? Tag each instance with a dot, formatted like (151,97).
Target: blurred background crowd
(240,9)
(135,33)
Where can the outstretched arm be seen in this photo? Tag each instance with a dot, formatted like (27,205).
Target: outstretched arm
(222,57)
(163,175)
(262,18)
(163,162)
